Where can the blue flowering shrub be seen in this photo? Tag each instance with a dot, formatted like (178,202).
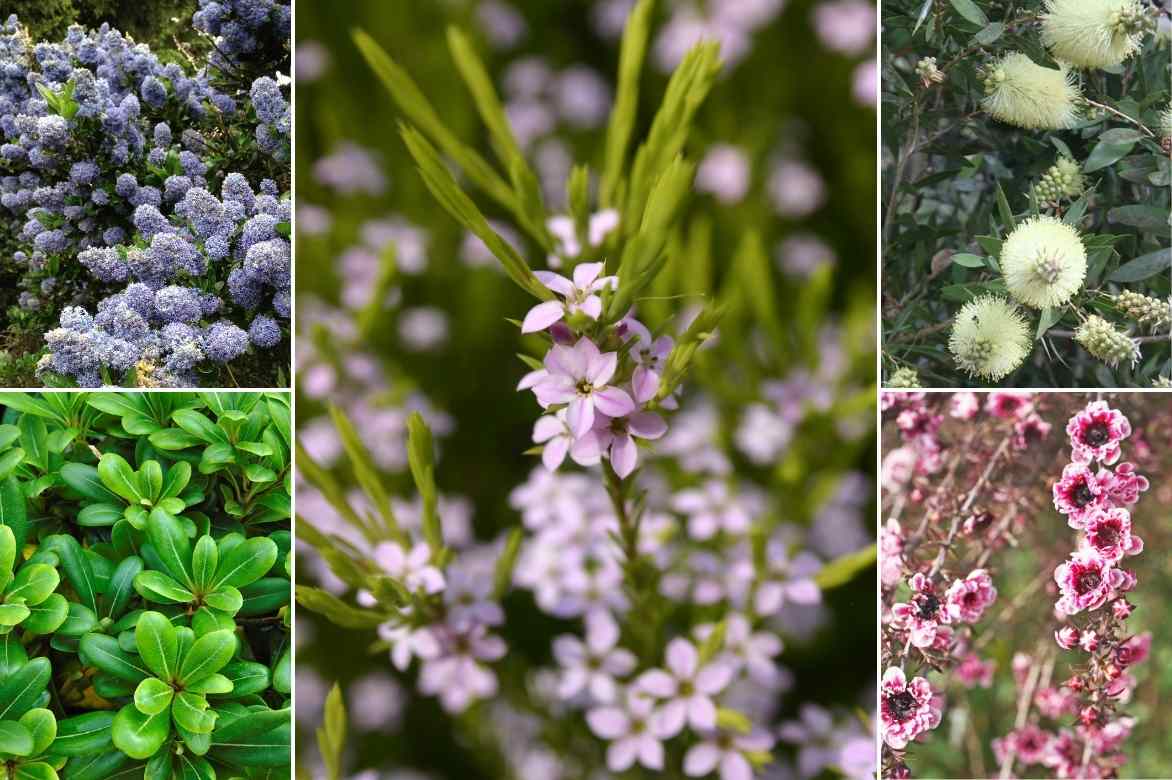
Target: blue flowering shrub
(144,207)
(144,585)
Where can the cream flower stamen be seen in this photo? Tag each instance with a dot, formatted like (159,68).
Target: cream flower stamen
(1094,33)
(1044,262)
(990,338)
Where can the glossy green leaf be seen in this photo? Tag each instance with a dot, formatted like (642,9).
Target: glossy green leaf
(171,544)
(117,475)
(246,562)
(33,583)
(190,711)
(99,515)
(83,734)
(161,589)
(138,735)
(121,586)
(225,598)
(77,567)
(15,739)
(104,653)
(199,426)
(173,439)
(96,766)
(42,724)
(207,656)
(79,621)
(14,510)
(247,677)
(84,478)
(20,691)
(47,616)
(153,696)
(7,556)
(158,645)
(12,655)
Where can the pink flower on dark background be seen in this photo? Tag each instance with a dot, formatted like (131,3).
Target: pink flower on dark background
(906,708)
(1095,433)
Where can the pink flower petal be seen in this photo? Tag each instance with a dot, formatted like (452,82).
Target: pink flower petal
(682,658)
(621,755)
(542,316)
(591,307)
(651,752)
(556,282)
(735,766)
(670,720)
(601,368)
(701,759)
(702,713)
(546,428)
(586,451)
(645,384)
(624,455)
(554,453)
(646,425)
(613,402)
(580,416)
(657,683)
(608,722)
(585,274)
(714,678)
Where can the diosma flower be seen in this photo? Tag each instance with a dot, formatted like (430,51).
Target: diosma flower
(1093,33)
(990,338)
(1044,262)
(1020,92)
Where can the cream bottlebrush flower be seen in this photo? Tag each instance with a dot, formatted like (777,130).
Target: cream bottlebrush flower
(1099,337)
(1044,262)
(990,338)
(1020,92)
(1093,33)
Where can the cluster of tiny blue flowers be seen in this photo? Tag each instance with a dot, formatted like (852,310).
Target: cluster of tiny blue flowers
(123,174)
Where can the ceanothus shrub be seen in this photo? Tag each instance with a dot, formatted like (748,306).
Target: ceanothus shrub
(118,168)
(144,609)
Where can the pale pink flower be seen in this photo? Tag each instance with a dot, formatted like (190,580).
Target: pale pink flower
(581,295)
(554,432)
(633,730)
(725,751)
(688,690)
(616,436)
(580,376)
(412,568)
(594,664)
(972,671)
(1067,637)
(1009,404)
(725,173)
(1135,650)
(964,406)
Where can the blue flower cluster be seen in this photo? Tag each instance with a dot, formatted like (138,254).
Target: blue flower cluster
(134,168)
(170,317)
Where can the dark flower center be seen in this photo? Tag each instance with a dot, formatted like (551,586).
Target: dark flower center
(1083,494)
(928,605)
(970,598)
(901,704)
(585,387)
(1107,535)
(1096,434)
(982,520)
(1087,581)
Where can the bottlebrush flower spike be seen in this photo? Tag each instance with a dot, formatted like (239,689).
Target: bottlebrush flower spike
(1093,33)
(1020,92)
(1044,262)
(990,338)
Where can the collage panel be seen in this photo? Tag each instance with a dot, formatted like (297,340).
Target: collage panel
(1024,584)
(145,589)
(1027,185)
(145,177)
(586,397)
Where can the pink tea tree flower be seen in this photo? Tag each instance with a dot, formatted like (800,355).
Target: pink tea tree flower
(906,708)
(921,616)
(1086,581)
(1095,433)
(967,599)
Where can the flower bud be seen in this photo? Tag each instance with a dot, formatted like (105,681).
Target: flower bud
(1121,608)
(1089,641)
(1067,637)
(1099,337)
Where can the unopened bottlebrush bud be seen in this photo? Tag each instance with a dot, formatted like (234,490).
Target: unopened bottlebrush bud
(1044,262)
(990,338)
(905,377)
(1144,309)
(1099,337)
(1020,92)
(1094,33)
(1063,179)
(928,72)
